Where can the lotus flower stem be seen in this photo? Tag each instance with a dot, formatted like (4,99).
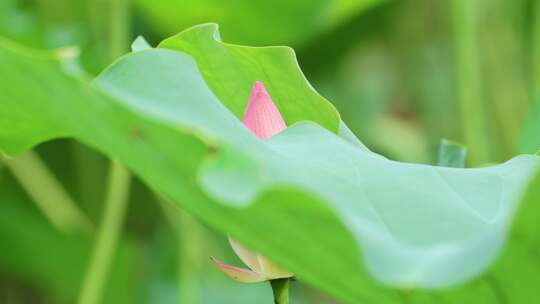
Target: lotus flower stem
(48,193)
(469,80)
(536,49)
(116,202)
(280,287)
(108,235)
(190,235)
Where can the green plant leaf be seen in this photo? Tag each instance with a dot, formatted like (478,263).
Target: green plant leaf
(324,207)
(514,276)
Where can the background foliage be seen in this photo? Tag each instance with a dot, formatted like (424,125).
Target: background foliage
(402,74)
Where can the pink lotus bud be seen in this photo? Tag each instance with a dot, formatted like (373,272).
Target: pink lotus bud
(263,118)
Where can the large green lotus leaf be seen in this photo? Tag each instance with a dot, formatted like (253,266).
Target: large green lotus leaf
(255,22)
(467,211)
(41,101)
(307,198)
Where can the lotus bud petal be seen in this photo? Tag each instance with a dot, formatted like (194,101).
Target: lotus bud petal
(239,274)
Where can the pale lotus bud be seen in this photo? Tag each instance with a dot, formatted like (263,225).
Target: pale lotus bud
(263,118)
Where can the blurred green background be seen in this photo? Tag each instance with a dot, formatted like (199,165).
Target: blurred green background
(403,75)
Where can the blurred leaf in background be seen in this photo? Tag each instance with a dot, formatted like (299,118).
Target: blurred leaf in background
(400,63)
(278,22)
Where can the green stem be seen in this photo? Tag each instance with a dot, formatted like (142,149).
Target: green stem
(536,51)
(189,258)
(110,27)
(90,170)
(280,288)
(47,192)
(119,177)
(190,252)
(108,235)
(469,83)
(119,28)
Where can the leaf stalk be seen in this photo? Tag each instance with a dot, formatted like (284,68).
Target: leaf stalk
(108,235)
(280,288)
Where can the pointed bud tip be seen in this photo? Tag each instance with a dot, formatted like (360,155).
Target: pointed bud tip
(258,93)
(258,87)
